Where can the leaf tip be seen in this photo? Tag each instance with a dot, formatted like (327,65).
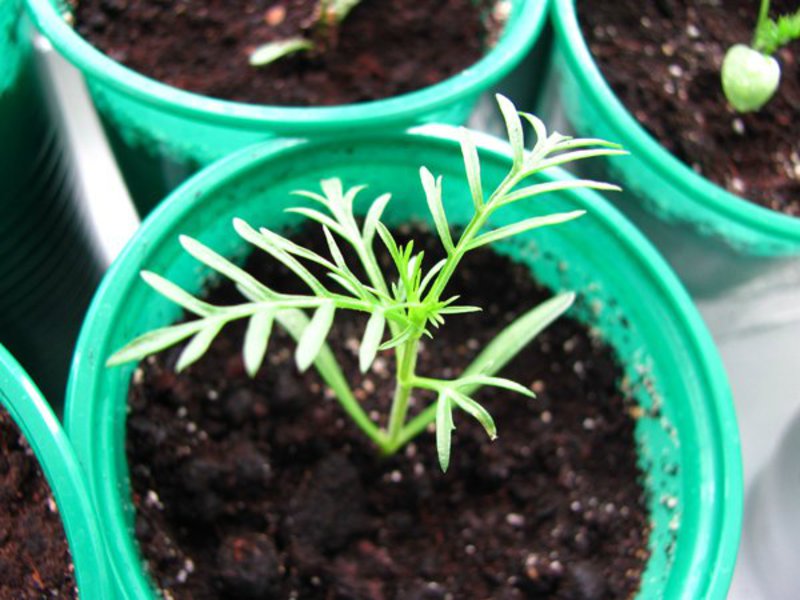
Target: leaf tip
(503,100)
(114,360)
(444,463)
(240,226)
(147,276)
(302,361)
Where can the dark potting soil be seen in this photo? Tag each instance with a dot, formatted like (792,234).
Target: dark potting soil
(663,61)
(382,49)
(265,489)
(35,561)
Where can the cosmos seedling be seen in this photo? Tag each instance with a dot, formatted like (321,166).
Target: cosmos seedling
(328,17)
(403,307)
(750,74)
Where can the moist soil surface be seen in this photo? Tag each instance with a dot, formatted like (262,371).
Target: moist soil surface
(265,489)
(35,561)
(663,60)
(382,49)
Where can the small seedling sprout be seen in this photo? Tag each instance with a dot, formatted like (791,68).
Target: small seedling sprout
(402,309)
(750,74)
(328,17)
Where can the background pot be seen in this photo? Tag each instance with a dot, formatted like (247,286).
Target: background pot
(35,419)
(161,134)
(689,450)
(49,267)
(714,239)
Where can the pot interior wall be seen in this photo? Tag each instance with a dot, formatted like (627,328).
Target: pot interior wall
(625,293)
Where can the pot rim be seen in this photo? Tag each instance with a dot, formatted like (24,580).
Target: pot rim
(40,426)
(521,30)
(638,141)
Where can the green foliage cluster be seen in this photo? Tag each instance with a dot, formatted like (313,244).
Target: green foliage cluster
(404,307)
(772,34)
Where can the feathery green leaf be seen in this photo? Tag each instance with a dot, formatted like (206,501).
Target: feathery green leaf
(198,345)
(538,189)
(268,243)
(523,226)
(223,266)
(371,340)
(517,335)
(314,335)
(516,136)
(470,381)
(576,155)
(433,194)
(444,430)
(471,407)
(320,218)
(256,339)
(373,216)
(154,341)
(472,166)
(177,294)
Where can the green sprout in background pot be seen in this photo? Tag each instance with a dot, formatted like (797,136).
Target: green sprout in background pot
(750,74)
(402,308)
(328,16)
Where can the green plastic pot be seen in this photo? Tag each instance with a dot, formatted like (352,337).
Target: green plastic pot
(161,134)
(49,266)
(690,452)
(714,239)
(22,399)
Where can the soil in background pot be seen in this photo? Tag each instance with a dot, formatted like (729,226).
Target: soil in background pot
(264,489)
(663,61)
(382,49)
(35,561)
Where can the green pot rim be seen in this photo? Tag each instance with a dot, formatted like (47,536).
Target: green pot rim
(639,142)
(36,420)
(521,31)
(708,572)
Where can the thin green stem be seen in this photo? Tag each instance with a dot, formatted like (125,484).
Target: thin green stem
(763,14)
(470,232)
(763,17)
(428,383)
(414,427)
(405,385)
